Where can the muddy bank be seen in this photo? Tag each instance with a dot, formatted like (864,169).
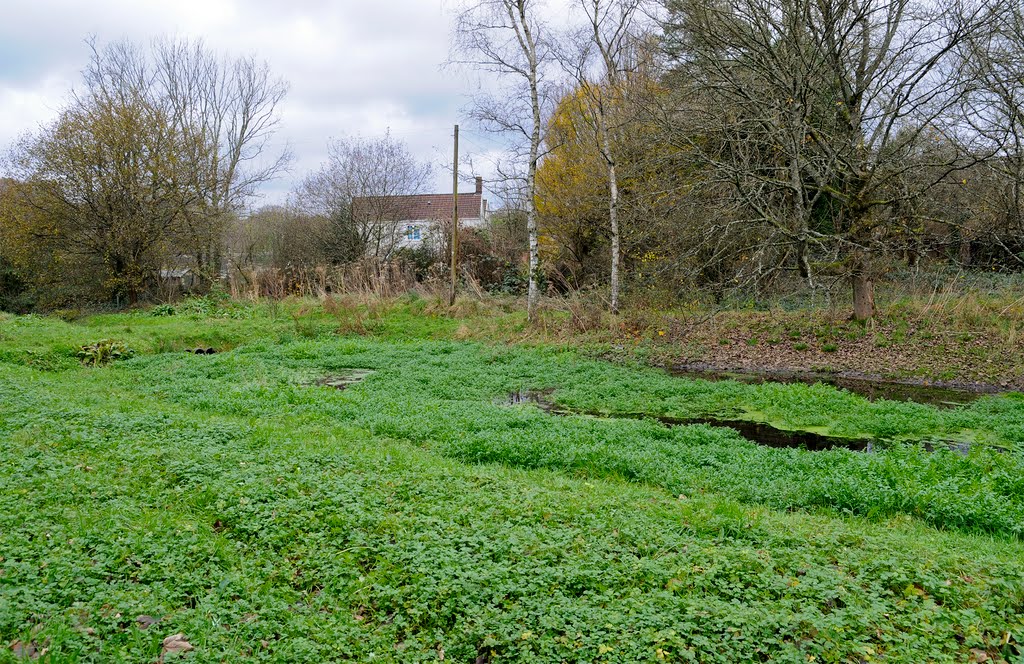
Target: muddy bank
(941,394)
(938,351)
(760,433)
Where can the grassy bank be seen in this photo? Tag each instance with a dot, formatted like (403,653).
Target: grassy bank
(414,515)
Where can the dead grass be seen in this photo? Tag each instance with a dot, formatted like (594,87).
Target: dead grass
(369,276)
(354,313)
(949,334)
(959,339)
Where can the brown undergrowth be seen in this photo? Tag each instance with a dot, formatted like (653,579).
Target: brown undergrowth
(967,338)
(963,340)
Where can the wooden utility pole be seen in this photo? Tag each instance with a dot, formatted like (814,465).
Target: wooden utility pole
(455,220)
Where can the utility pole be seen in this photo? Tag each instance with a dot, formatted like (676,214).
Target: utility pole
(455,220)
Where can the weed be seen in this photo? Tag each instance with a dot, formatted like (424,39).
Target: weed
(68,315)
(103,352)
(197,307)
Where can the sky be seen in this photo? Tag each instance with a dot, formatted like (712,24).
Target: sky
(355,68)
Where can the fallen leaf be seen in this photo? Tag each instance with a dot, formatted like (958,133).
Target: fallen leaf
(176,643)
(145,621)
(24,650)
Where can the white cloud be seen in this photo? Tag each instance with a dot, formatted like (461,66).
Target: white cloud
(354,67)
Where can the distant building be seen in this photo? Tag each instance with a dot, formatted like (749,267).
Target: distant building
(181,278)
(417,219)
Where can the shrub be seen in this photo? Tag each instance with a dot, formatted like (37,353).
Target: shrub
(104,352)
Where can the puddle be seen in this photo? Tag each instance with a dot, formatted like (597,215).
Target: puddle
(539,398)
(930,395)
(769,436)
(760,433)
(344,379)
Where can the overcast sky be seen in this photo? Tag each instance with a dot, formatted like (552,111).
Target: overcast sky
(355,67)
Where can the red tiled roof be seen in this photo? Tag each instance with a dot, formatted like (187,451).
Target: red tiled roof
(420,206)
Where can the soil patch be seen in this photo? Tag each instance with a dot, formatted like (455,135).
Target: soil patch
(345,379)
(940,395)
(921,352)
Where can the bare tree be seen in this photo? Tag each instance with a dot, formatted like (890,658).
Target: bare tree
(818,113)
(603,55)
(278,236)
(995,110)
(103,183)
(148,158)
(227,109)
(508,38)
(359,190)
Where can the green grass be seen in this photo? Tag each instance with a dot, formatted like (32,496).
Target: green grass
(413,514)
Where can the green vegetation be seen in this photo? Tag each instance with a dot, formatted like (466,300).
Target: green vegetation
(104,351)
(244,501)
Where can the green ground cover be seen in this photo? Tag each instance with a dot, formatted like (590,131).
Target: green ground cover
(415,515)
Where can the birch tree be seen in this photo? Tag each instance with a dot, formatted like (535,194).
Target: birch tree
(602,59)
(508,38)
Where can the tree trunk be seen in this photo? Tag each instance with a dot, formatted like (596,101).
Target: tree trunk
(912,254)
(613,211)
(964,250)
(533,290)
(613,216)
(804,263)
(216,258)
(530,50)
(863,291)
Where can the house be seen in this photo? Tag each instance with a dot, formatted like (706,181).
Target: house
(418,220)
(180,278)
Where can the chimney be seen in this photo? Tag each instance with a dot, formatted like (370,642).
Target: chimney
(479,185)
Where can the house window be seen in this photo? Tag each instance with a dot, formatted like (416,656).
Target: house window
(413,233)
